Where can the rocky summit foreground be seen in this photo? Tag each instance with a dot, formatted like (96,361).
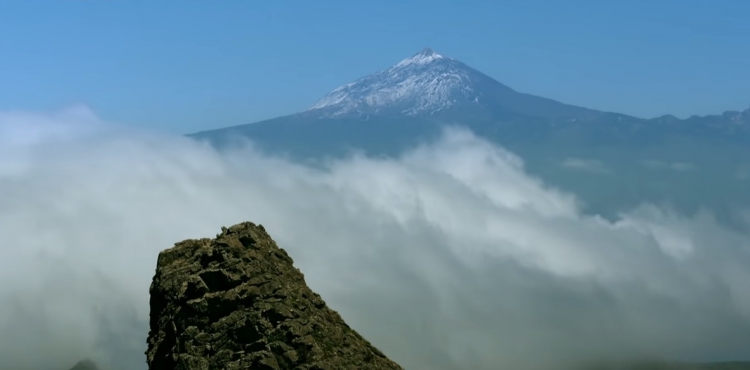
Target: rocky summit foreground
(237,302)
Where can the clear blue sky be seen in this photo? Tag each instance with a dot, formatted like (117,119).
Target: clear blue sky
(189,65)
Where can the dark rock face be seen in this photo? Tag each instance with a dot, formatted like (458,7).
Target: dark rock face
(237,302)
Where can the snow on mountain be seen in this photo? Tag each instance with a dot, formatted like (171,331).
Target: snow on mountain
(423,84)
(424,57)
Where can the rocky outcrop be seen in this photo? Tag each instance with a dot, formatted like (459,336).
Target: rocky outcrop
(237,302)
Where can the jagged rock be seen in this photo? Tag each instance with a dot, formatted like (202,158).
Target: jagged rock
(237,302)
(85,365)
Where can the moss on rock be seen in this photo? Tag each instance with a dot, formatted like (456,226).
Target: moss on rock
(237,302)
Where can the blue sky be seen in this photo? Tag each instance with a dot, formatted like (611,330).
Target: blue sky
(185,65)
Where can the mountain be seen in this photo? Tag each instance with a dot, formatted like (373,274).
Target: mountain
(429,84)
(238,302)
(392,109)
(409,103)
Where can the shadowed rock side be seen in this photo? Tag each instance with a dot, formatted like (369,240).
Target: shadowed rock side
(237,302)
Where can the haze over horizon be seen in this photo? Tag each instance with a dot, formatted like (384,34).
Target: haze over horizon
(214,67)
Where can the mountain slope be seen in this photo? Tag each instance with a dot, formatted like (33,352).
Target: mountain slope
(431,84)
(395,109)
(412,99)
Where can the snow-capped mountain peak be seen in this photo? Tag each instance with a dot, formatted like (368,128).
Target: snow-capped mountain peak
(423,84)
(425,56)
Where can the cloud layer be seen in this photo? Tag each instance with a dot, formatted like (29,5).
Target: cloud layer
(448,257)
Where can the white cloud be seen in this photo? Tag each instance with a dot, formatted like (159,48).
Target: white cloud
(449,257)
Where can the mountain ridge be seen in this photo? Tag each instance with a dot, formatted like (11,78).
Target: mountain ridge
(394,108)
(429,83)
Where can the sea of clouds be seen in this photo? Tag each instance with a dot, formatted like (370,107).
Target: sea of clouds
(450,256)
